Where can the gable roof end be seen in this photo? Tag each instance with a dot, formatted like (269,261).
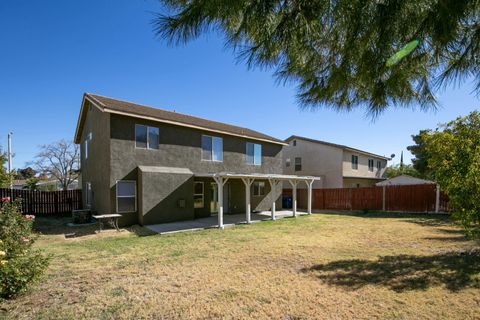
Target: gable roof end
(130,109)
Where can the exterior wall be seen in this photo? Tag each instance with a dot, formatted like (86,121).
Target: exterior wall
(317,160)
(180,147)
(96,169)
(157,203)
(362,170)
(358,182)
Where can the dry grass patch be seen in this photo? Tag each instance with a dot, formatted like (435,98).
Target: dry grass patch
(326,266)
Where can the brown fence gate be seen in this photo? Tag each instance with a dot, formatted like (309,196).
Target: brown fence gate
(412,198)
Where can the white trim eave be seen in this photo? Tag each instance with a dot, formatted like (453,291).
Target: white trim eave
(190,126)
(94,102)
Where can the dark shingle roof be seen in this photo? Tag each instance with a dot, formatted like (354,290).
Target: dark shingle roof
(341,146)
(137,110)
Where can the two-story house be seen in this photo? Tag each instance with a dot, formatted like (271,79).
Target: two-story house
(154,166)
(338,166)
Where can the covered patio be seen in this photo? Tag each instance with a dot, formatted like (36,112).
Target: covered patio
(274,180)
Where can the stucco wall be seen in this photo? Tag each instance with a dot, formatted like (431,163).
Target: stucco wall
(362,170)
(181,147)
(96,168)
(358,182)
(317,160)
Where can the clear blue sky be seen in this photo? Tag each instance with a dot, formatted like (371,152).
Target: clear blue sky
(53,51)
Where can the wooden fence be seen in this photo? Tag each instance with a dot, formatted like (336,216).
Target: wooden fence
(45,202)
(415,198)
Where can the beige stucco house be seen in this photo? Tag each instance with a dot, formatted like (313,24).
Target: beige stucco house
(338,166)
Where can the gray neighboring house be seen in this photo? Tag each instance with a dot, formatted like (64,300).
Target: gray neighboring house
(155,166)
(338,166)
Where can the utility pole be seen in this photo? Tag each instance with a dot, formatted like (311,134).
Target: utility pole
(10,162)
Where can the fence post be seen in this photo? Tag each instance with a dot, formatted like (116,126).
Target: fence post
(384,198)
(437,199)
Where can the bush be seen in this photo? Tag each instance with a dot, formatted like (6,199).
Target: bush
(20,263)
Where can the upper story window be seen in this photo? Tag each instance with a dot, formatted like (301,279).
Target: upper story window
(254,154)
(354,162)
(298,164)
(85,145)
(370,165)
(287,162)
(146,137)
(379,165)
(294,143)
(212,148)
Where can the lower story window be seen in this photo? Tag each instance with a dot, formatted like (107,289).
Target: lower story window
(259,188)
(88,195)
(126,196)
(198,194)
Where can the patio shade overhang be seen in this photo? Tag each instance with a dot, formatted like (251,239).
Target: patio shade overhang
(263,176)
(248,178)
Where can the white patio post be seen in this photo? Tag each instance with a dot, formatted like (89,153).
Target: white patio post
(293,183)
(437,199)
(220,183)
(248,207)
(273,187)
(310,186)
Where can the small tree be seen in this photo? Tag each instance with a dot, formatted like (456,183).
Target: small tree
(60,160)
(20,263)
(455,161)
(26,173)
(5,177)
(398,170)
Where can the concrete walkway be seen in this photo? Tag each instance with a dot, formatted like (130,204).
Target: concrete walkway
(212,222)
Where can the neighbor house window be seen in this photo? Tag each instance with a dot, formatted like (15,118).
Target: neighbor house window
(370,165)
(287,162)
(379,165)
(298,164)
(258,188)
(294,143)
(126,196)
(88,194)
(254,153)
(146,137)
(212,148)
(198,194)
(354,162)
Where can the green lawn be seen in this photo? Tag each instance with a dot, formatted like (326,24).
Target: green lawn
(321,266)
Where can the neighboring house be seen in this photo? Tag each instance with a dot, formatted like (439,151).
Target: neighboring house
(45,185)
(338,166)
(155,166)
(404,180)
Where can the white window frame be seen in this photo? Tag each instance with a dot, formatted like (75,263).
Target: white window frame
(258,183)
(253,155)
(199,194)
(211,151)
(88,194)
(116,195)
(372,168)
(354,163)
(148,137)
(85,145)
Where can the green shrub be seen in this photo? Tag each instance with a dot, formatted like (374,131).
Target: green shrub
(20,263)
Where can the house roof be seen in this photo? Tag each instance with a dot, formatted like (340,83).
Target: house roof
(404,180)
(294,137)
(130,109)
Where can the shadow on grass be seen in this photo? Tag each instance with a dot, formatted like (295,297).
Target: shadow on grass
(454,270)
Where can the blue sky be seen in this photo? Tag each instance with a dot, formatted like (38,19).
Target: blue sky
(53,51)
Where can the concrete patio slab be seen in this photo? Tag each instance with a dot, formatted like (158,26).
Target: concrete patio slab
(212,222)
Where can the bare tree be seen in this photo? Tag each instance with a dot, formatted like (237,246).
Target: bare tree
(60,160)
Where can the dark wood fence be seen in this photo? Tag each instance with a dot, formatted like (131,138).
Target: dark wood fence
(415,198)
(45,202)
